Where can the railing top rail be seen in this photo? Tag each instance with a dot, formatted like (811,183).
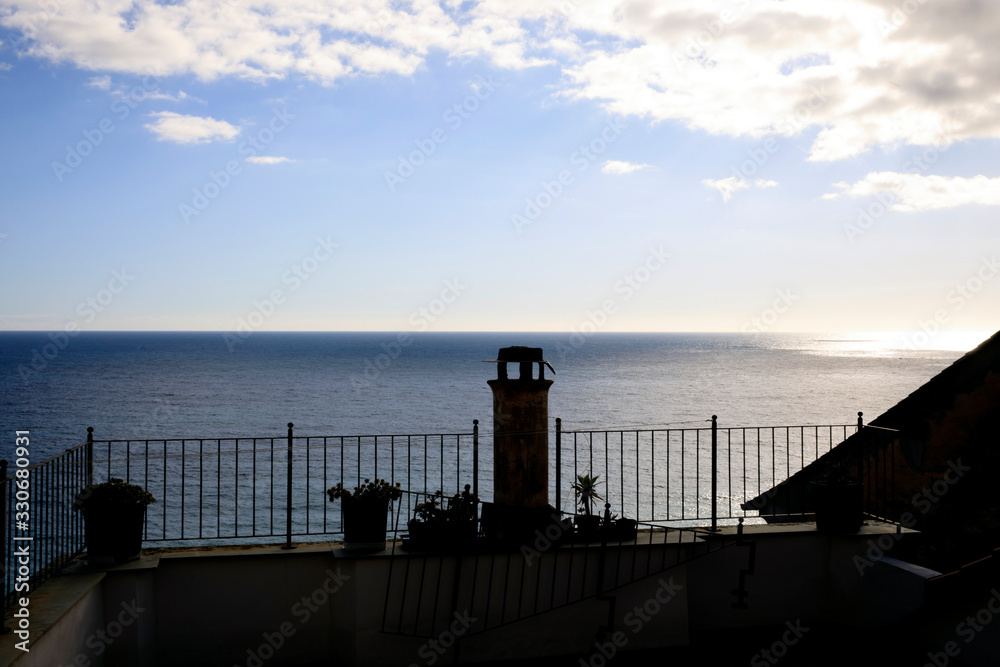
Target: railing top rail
(709,428)
(51,459)
(231,438)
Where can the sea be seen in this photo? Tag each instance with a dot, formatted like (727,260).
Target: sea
(166,385)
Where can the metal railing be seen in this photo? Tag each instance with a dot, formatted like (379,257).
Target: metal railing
(39,530)
(246,490)
(688,475)
(242,489)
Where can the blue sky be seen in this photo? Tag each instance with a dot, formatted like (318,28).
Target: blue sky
(542,166)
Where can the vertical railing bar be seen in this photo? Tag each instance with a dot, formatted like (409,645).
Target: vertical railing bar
(183,482)
(325,478)
(201,486)
(308,488)
(236,484)
(164,531)
(715,456)
(475,461)
(342,478)
(270,499)
(758,489)
(668,480)
(637,483)
(288,490)
(621,471)
(652,477)
(145,485)
(558,466)
(218,487)
(697,474)
(683,478)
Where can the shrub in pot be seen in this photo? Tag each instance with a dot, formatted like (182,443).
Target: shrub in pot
(442,524)
(366,512)
(113,514)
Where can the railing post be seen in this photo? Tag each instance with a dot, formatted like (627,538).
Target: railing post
(861,460)
(558,465)
(288,508)
(3,537)
(90,456)
(475,457)
(715,461)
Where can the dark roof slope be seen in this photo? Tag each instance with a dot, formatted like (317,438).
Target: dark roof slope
(914,417)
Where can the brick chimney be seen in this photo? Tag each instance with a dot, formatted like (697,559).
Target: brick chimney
(521,430)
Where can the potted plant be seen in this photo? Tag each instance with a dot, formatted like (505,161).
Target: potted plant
(113,515)
(620,530)
(366,512)
(436,526)
(585,487)
(838,500)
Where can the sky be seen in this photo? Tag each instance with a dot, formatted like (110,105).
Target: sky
(563,165)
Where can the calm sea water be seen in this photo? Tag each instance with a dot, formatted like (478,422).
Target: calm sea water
(170,385)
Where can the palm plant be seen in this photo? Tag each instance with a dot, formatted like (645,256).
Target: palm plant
(586,491)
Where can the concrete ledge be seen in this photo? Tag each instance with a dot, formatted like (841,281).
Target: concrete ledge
(49,604)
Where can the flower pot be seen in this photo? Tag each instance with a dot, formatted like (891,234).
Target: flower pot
(588,526)
(838,506)
(448,537)
(364,524)
(624,530)
(113,532)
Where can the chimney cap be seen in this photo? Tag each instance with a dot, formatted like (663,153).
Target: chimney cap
(520,354)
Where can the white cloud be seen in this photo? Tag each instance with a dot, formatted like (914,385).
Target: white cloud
(619,167)
(267,159)
(727,186)
(100,82)
(5,67)
(181,129)
(864,73)
(916,192)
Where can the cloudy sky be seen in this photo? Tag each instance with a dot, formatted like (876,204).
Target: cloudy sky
(552,165)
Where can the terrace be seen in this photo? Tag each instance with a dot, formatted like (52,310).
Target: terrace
(242,528)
